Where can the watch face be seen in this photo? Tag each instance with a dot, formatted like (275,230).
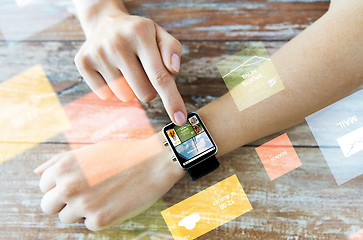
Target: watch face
(190,143)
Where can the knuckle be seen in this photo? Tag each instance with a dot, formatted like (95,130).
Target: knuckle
(162,78)
(76,58)
(87,204)
(99,52)
(177,44)
(115,45)
(42,184)
(148,96)
(66,190)
(95,222)
(101,220)
(64,219)
(83,61)
(89,223)
(46,178)
(140,25)
(63,167)
(45,205)
(139,28)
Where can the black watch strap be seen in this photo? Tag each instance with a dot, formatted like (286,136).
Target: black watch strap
(203,168)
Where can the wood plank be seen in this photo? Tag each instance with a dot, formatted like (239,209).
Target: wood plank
(56,59)
(198,77)
(22,218)
(198,81)
(186,20)
(305,203)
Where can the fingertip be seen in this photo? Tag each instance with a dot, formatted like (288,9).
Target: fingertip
(103,92)
(37,171)
(180,118)
(104,96)
(42,186)
(47,181)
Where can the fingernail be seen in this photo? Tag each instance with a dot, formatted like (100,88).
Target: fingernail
(175,62)
(180,118)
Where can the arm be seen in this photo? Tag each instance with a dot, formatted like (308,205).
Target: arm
(90,12)
(318,67)
(127,55)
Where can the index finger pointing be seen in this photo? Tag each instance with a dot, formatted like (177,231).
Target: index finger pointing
(163,82)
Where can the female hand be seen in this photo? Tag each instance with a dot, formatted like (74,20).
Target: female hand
(107,183)
(127,55)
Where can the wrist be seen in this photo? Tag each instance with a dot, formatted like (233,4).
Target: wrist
(170,171)
(92,13)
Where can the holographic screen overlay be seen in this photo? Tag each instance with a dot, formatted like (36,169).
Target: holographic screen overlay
(338,130)
(207,210)
(30,112)
(250,76)
(22,19)
(147,225)
(95,120)
(357,236)
(278,156)
(109,159)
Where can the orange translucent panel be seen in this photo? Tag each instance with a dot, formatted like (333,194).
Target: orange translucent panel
(30,112)
(107,159)
(95,120)
(116,123)
(357,236)
(278,156)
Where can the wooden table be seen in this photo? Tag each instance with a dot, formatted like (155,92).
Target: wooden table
(306,203)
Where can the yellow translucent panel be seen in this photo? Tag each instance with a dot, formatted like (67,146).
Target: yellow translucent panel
(30,112)
(250,76)
(207,209)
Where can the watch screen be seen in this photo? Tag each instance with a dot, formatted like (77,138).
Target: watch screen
(191,141)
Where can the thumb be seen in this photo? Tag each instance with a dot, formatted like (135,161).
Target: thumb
(40,169)
(170,50)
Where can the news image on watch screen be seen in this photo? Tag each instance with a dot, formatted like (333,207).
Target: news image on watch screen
(191,139)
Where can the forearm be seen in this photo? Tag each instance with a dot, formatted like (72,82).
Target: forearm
(318,67)
(91,11)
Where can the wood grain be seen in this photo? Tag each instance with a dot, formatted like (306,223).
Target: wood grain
(306,203)
(198,81)
(186,20)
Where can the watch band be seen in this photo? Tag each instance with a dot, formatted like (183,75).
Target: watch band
(203,168)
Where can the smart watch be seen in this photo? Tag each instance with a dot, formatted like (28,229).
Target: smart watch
(193,146)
